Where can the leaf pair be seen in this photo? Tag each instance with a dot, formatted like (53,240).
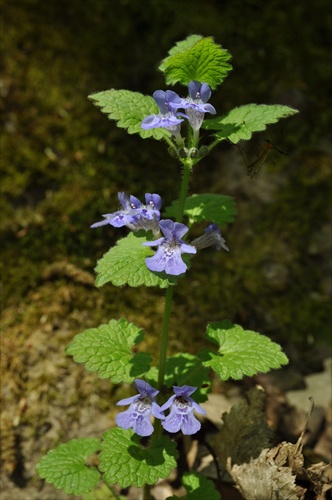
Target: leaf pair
(108,351)
(123,460)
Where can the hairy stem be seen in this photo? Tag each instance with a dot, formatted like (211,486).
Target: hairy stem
(164,336)
(187,164)
(169,293)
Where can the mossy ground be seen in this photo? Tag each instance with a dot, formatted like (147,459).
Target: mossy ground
(63,164)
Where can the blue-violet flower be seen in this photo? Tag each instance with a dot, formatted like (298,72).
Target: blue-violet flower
(141,407)
(181,416)
(196,104)
(212,237)
(135,215)
(170,247)
(168,102)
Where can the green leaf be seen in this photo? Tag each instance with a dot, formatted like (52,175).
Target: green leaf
(108,351)
(180,47)
(196,58)
(66,466)
(128,109)
(126,462)
(241,352)
(124,264)
(216,208)
(184,369)
(240,123)
(198,487)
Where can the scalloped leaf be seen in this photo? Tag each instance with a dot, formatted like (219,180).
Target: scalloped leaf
(180,47)
(240,123)
(124,264)
(126,462)
(184,369)
(198,487)
(207,207)
(241,352)
(196,58)
(128,109)
(107,350)
(66,466)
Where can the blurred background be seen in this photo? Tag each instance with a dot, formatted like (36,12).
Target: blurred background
(63,163)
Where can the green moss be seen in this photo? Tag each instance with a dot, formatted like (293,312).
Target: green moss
(63,163)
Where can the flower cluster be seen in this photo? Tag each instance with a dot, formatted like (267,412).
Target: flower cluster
(134,214)
(168,257)
(143,405)
(169,103)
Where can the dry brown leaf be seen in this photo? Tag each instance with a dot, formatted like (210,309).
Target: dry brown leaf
(262,479)
(245,431)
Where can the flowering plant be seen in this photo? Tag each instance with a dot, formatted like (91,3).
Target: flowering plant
(158,252)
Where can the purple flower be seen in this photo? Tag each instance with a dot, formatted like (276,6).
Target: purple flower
(141,406)
(181,416)
(212,237)
(168,102)
(196,105)
(135,215)
(170,247)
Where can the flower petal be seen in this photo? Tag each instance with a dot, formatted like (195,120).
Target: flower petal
(146,389)
(205,92)
(168,403)
(142,425)
(124,200)
(172,229)
(209,109)
(190,424)
(101,223)
(156,411)
(157,262)
(153,243)
(127,401)
(185,390)
(187,248)
(151,121)
(167,260)
(174,263)
(153,201)
(197,407)
(159,97)
(173,421)
(194,88)
(124,419)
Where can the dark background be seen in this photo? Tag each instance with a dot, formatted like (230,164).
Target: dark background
(63,163)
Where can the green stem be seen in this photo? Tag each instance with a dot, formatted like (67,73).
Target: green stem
(187,164)
(112,490)
(146,492)
(164,336)
(213,144)
(169,293)
(171,145)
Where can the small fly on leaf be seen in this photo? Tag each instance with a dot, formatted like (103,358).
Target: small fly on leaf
(257,164)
